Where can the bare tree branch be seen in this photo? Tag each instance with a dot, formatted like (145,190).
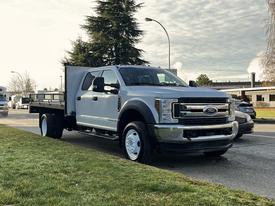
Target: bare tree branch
(269,56)
(24,85)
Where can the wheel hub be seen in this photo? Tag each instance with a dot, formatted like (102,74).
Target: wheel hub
(44,127)
(133,144)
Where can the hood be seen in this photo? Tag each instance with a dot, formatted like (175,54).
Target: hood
(174,92)
(241,114)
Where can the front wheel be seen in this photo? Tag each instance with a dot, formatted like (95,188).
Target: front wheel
(215,153)
(136,143)
(51,126)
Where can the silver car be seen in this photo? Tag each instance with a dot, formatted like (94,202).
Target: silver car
(245,107)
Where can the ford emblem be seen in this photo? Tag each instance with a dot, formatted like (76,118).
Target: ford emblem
(210,110)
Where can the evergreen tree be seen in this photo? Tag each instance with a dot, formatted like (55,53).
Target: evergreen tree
(113,33)
(82,55)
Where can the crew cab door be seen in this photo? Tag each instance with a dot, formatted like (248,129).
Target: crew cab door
(98,109)
(84,100)
(106,113)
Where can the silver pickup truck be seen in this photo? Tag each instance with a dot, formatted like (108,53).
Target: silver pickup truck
(144,108)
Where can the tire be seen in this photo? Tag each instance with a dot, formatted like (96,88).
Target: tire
(136,143)
(215,153)
(51,126)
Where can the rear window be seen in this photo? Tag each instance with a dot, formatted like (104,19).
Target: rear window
(89,80)
(25,100)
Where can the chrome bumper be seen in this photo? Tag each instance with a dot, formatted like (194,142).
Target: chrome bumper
(4,109)
(175,133)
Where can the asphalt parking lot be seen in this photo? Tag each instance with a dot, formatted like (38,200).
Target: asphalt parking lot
(249,165)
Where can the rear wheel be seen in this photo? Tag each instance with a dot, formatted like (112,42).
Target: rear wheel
(136,143)
(215,153)
(51,126)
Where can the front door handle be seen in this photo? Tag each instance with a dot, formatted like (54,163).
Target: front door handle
(95,98)
(78,98)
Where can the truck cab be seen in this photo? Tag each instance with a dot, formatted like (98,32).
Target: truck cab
(145,109)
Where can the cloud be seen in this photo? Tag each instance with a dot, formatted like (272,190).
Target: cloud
(214,37)
(256,66)
(185,74)
(207,36)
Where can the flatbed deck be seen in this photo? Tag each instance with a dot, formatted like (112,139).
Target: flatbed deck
(52,101)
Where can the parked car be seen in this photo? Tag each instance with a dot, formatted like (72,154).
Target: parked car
(4,110)
(245,122)
(144,108)
(246,108)
(23,103)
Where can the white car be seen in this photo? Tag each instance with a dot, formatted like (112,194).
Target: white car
(23,103)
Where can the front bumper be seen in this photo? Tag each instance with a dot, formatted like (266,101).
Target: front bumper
(246,128)
(183,134)
(4,109)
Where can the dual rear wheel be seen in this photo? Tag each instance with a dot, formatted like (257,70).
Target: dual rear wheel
(51,126)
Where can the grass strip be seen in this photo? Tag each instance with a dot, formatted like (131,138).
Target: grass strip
(265,112)
(43,171)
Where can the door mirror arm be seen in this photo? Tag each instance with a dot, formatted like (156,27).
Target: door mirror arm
(117,86)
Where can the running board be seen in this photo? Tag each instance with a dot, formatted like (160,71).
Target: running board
(108,137)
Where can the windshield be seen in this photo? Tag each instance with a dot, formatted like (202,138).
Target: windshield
(2,98)
(150,77)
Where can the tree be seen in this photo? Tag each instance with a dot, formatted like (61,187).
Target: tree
(22,84)
(203,80)
(113,33)
(269,57)
(82,55)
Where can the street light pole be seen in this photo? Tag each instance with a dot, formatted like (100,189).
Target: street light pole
(61,86)
(169,43)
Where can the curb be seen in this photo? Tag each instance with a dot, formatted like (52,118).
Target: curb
(264,121)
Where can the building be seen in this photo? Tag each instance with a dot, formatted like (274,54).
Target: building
(258,96)
(251,91)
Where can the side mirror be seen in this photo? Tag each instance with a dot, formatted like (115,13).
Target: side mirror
(193,83)
(98,84)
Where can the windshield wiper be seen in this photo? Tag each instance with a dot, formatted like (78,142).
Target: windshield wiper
(171,84)
(143,84)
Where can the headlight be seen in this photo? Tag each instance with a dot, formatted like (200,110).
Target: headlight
(231,111)
(248,118)
(164,108)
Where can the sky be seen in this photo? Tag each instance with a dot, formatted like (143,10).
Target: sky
(221,38)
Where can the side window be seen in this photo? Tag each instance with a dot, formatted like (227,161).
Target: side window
(109,77)
(89,80)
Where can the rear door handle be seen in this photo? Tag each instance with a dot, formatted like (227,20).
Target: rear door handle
(95,98)
(78,98)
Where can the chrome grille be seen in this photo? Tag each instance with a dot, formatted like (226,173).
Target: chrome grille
(216,112)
